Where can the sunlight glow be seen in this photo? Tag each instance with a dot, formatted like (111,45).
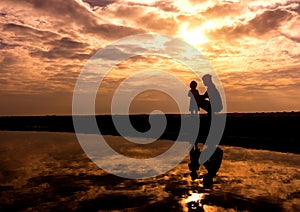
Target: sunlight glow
(194,37)
(211,24)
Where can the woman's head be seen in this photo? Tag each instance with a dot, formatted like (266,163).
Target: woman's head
(207,80)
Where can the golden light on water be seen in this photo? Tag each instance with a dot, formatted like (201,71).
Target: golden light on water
(195,197)
(193,201)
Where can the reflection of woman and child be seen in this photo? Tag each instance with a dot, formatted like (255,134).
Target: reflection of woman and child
(211,102)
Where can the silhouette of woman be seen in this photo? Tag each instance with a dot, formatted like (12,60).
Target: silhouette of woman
(214,102)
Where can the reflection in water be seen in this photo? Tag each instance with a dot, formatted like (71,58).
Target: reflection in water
(50,172)
(195,195)
(212,165)
(194,202)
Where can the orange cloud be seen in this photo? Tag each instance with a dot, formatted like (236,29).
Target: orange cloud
(45,44)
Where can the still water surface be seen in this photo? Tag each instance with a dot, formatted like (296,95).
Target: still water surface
(43,171)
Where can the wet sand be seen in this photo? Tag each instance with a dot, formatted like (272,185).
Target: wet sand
(46,171)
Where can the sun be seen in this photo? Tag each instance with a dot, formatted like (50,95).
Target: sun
(194,36)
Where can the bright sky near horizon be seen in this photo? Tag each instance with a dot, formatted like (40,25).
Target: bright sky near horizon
(254,46)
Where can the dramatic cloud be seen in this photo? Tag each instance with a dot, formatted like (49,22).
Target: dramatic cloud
(261,24)
(261,88)
(253,45)
(157,17)
(98,3)
(223,10)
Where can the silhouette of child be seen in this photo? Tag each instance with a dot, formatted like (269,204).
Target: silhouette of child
(194,95)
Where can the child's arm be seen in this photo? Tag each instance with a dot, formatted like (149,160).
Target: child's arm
(205,95)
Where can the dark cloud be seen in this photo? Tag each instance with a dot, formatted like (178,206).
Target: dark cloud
(154,20)
(269,20)
(112,32)
(3,14)
(4,81)
(68,43)
(71,12)
(114,54)
(261,24)
(291,5)
(26,33)
(130,11)
(60,53)
(166,6)
(81,57)
(59,47)
(8,63)
(230,1)
(64,48)
(7,45)
(54,67)
(296,8)
(99,3)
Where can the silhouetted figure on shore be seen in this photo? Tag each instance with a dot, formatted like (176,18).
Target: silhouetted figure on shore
(194,96)
(211,102)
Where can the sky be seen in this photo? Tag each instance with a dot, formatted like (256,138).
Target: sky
(253,46)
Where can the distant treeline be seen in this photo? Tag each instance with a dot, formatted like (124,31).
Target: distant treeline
(270,131)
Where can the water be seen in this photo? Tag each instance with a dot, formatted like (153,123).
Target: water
(43,171)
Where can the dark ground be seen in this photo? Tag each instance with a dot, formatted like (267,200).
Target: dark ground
(45,171)
(269,131)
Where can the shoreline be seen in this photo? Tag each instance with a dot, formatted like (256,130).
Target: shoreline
(269,131)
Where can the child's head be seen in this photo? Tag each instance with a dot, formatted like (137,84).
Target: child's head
(193,84)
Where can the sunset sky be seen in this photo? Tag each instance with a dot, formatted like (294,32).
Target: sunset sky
(254,47)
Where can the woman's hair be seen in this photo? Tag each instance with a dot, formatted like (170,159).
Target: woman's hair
(207,78)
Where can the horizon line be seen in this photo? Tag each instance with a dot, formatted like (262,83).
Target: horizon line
(136,114)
